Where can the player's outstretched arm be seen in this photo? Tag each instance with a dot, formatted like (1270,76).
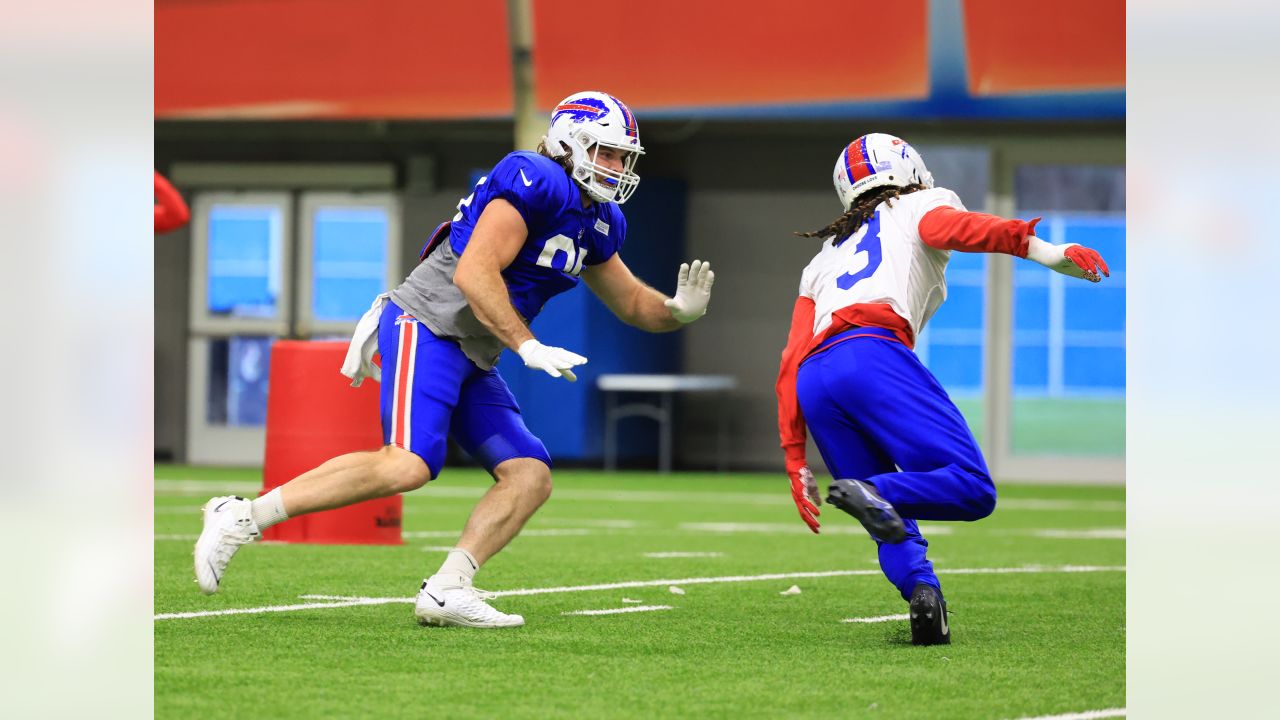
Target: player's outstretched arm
(639,305)
(499,234)
(947,228)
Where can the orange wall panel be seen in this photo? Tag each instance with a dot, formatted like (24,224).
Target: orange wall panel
(686,53)
(331,58)
(1030,47)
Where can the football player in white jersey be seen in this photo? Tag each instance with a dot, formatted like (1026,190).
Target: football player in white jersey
(895,442)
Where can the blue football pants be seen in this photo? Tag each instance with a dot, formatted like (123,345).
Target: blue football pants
(878,415)
(431,391)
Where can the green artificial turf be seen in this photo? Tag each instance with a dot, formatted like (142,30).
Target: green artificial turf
(1024,644)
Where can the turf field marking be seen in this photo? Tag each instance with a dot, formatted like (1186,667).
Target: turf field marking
(1070,505)
(534,532)
(620,524)
(794,528)
(347,601)
(180,486)
(618,611)
(683,554)
(1087,534)
(1086,715)
(188,538)
(198,487)
(877,619)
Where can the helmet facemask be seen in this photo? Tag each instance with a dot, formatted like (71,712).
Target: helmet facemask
(605,184)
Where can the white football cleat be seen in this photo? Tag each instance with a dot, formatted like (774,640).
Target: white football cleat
(228,524)
(451,600)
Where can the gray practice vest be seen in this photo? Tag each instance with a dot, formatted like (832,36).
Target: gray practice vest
(429,295)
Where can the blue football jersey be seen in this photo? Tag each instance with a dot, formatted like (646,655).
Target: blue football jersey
(563,236)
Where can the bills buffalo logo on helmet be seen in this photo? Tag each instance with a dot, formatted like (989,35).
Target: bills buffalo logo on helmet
(589,108)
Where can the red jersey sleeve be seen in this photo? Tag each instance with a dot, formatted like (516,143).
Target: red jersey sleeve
(790,420)
(171,211)
(947,228)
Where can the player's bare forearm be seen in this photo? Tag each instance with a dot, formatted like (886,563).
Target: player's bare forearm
(498,236)
(487,294)
(630,299)
(649,313)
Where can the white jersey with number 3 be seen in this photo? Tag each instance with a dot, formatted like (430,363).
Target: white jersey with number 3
(884,261)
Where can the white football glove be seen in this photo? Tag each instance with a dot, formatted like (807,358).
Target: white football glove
(693,291)
(554,361)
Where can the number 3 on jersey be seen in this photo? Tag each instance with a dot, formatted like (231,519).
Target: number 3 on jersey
(870,244)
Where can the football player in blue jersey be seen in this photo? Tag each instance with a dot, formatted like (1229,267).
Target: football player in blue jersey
(535,225)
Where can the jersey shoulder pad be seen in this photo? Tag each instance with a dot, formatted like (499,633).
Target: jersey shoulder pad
(922,201)
(534,184)
(617,222)
(911,208)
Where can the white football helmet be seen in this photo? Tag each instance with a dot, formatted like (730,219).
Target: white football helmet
(876,160)
(586,121)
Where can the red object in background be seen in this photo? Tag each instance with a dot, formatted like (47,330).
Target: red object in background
(1044,46)
(313,414)
(171,210)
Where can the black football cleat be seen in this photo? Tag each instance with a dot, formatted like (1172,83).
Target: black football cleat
(860,500)
(929,617)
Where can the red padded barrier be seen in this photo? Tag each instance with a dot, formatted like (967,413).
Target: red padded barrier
(313,414)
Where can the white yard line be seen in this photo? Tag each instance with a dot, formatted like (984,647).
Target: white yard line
(683,554)
(759,528)
(534,532)
(1085,715)
(1085,534)
(1067,505)
(346,601)
(877,619)
(180,486)
(795,528)
(198,487)
(619,611)
(612,524)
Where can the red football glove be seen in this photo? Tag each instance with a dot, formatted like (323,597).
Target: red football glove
(804,491)
(1088,260)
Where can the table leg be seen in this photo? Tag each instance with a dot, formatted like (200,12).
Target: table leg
(722,439)
(610,432)
(664,430)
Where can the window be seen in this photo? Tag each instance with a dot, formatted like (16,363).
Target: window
(239,262)
(237,387)
(1068,335)
(347,243)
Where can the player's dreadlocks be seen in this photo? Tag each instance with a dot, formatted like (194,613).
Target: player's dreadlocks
(860,212)
(565,161)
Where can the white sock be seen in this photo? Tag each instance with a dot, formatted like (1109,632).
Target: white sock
(459,562)
(268,510)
